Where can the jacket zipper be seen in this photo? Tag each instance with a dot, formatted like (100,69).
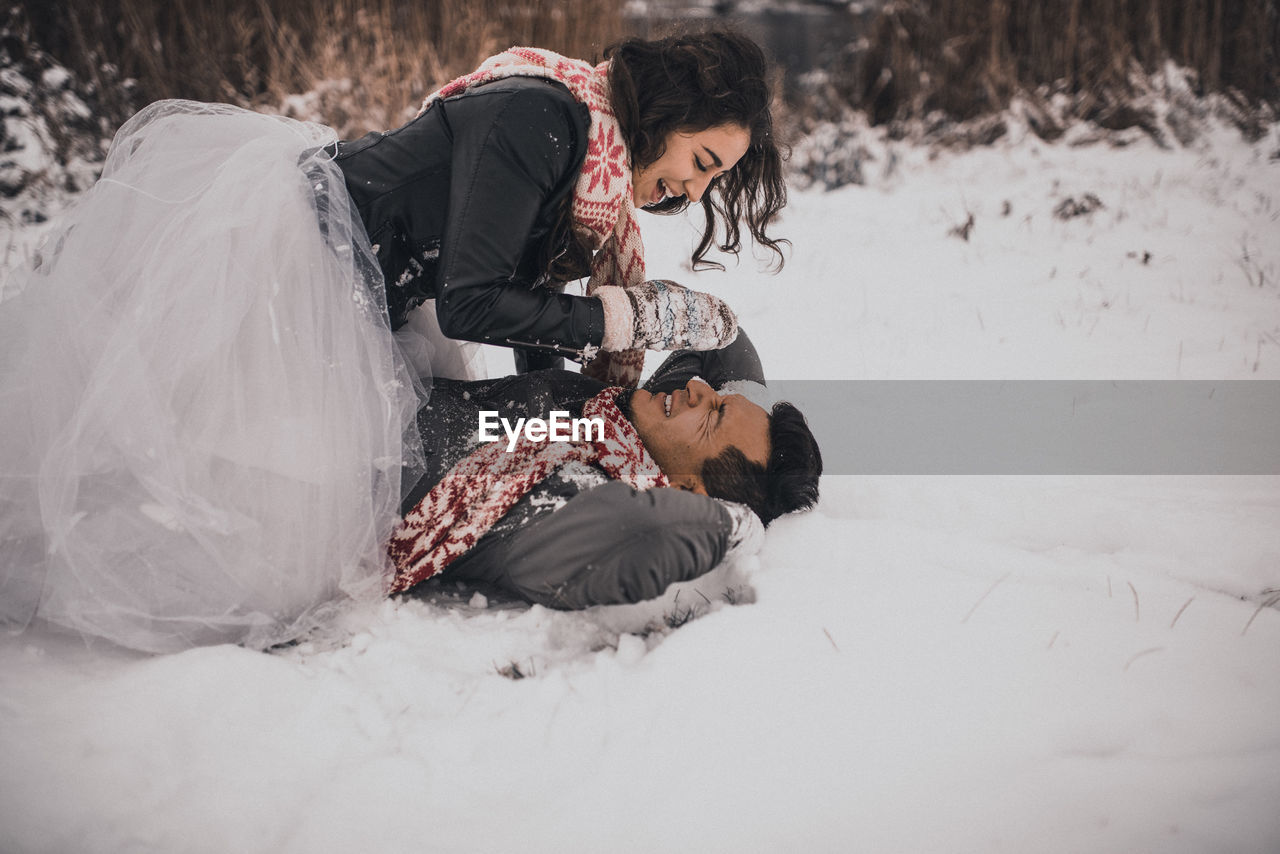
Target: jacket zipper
(584,355)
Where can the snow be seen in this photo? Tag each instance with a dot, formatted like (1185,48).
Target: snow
(56,77)
(42,117)
(920,664)
(1030,296)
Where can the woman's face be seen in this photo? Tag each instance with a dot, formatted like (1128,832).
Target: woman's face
(690,163)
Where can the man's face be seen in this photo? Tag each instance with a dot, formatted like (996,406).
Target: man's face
(694,424)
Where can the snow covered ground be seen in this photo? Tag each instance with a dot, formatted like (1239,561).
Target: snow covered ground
(921,664)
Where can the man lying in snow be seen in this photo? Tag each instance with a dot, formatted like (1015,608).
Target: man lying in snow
(570,525)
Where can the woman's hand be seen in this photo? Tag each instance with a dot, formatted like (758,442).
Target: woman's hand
(661,315)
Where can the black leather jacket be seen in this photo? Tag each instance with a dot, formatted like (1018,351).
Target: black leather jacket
(459,203)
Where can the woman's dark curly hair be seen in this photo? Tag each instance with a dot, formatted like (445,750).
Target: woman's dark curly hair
(690,83)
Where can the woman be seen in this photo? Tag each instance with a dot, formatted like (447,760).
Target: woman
(207,423)
(513,175)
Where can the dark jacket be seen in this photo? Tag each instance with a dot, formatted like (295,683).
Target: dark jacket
(460,204)
(579,539)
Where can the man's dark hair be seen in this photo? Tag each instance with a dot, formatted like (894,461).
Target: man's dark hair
(787,483)
(693,82)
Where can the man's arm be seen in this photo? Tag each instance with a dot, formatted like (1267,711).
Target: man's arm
(737,362)
(607,546)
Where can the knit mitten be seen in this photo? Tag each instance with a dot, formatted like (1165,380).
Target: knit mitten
(661,315)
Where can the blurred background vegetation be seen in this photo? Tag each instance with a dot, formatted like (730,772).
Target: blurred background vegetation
(372,61)
(967,58)
(366,64)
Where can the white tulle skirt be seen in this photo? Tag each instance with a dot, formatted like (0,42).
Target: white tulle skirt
(203,414)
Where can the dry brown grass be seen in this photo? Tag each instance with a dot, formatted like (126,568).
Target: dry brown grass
(381,56)
(369,62)
(968,57)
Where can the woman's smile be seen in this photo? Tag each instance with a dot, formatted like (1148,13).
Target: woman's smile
(690,163)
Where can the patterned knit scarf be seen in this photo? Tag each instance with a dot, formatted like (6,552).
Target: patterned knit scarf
(603,208)
(483,486)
